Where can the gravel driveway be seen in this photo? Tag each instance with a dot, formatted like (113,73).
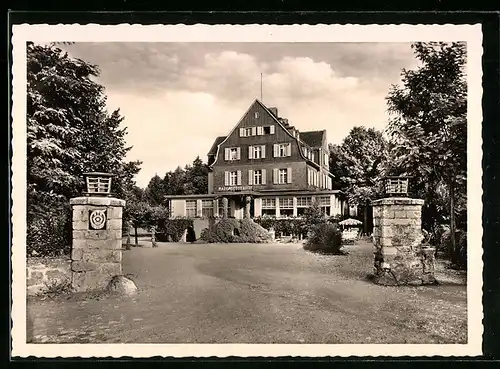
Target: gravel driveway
(251,293)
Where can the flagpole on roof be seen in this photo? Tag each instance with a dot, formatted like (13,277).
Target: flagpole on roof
(261,100)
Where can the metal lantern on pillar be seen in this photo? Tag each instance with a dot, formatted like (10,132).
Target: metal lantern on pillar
(98,183)
(397,186)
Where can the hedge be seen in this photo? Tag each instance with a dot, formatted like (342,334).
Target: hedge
(325,238)
(173,228)
(235,230)
(49,231)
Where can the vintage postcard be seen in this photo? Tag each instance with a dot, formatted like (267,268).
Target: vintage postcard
(250,190)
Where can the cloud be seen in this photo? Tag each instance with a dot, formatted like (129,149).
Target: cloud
(176,98)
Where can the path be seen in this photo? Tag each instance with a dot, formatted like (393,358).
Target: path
(250,293)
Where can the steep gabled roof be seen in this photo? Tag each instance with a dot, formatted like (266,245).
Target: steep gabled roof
(282,123)
(213,149)
(313,138)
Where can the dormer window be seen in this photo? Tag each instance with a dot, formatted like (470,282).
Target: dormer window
(269,130)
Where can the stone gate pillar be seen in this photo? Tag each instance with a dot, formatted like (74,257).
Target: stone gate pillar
(96,254)
(248,199)
(225,205)
(400,257)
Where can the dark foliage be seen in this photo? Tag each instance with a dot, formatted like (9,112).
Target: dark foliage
(174,228)
(234,230)
(324,238)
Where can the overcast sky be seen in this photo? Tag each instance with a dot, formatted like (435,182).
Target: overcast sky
(177,97)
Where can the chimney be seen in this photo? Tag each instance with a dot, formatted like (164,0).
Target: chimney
(274,111)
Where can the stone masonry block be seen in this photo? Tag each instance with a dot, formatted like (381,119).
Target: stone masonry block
(89,281)
(413,214)
(78,235)
(104,244)
(77,254)
(80,225)
(111,269)
(400,214)
(387,213)
(96,235)
(80,213)
(83,266)
(114,224)
(97,201)
(115,212)
(79,243)
(385,241)
(101,256)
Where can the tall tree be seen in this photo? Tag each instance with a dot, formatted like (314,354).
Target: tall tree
(196,177)
(428,126)
(155,191)
(69,130)
(357,164)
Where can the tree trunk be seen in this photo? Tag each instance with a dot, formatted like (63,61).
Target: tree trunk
(127,245)
(136,237)
(365,220)
(455,252)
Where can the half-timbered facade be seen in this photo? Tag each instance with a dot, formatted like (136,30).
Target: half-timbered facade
(264,166)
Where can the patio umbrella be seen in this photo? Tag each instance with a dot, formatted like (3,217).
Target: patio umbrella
(350,222)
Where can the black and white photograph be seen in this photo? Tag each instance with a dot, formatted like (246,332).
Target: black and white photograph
(262,188)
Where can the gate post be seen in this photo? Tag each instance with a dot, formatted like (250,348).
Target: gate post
(96,255)
(399,256)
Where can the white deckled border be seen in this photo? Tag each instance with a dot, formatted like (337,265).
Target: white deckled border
(246,33)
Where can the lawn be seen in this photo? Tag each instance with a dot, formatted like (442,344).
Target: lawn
(255,293)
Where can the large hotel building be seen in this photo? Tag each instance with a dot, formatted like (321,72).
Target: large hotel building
(264,166)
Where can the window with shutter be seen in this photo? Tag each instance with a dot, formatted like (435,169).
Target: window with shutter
(238,153)
(257,152)
(257,177)
(250,177)
(260,131)
(275,150)
(242,132)
(283,176)
(263,151)
(233,178)
(272,130)
(289,150)
(226,154)
(264,176)
(238,183)
(275,176)
(226,178)
(289,175)
(250,152)
(254,131)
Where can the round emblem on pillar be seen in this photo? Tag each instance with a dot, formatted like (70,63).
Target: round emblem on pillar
(97,219)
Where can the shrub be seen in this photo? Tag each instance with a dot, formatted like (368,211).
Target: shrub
(313,216)
(233,230)
(174,228)
(325,238)
(293,226)
(251,232)
(222,231)
(55,288)
(49,232)
(461,243)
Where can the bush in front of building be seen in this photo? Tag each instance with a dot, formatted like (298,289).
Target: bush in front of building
(324,238)
(284,226)
(235,231)
(174,228)
(252,232)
